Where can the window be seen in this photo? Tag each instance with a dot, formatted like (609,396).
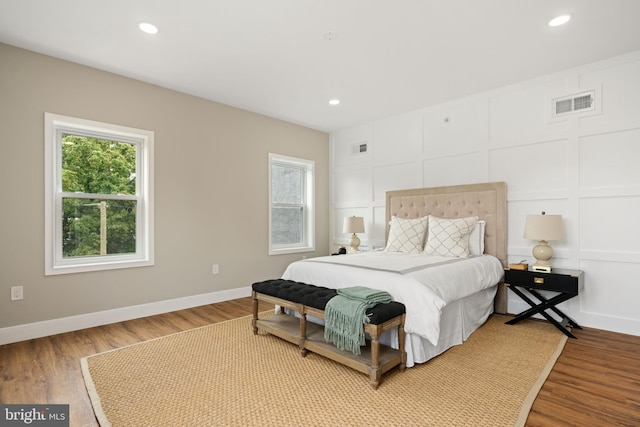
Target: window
(291,198)
(98,196)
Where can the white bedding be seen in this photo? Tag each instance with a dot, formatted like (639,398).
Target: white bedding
(425,284)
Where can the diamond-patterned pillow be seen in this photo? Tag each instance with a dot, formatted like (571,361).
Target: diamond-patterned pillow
(407,235)
(449,237)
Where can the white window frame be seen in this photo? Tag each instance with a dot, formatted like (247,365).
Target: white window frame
(308,228)
(55,263)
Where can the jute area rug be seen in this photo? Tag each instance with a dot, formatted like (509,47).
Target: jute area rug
(223,375)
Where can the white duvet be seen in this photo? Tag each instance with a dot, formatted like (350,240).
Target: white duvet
(425,284)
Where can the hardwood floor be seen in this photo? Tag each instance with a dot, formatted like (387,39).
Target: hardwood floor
(596,381)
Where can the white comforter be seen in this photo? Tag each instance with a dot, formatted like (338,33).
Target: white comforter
(423,283)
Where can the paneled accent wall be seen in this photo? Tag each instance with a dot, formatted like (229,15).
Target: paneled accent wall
(583,165)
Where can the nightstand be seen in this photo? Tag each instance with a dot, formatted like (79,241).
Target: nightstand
(566,283)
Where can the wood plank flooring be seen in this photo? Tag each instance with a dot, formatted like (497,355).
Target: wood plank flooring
(596,381)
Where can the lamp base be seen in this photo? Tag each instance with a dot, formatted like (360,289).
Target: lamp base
(354,243)
(542,252)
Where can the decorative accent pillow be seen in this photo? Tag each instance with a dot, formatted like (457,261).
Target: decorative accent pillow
(449,237)
(407,235)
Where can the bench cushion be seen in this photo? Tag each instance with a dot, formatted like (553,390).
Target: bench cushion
(383,312)
(318,296)
(298,292)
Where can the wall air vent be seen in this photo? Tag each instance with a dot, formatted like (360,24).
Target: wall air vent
(359,148)
(574,104)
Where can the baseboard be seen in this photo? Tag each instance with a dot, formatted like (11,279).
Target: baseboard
(73,323)
(587,319)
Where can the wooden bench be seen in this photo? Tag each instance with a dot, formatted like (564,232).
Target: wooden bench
(304,299)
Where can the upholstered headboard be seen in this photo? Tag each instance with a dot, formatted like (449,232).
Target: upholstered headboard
(487,201)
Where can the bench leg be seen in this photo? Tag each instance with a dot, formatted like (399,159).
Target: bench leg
(374,369)
(401,338)
(303,332)
(255,313)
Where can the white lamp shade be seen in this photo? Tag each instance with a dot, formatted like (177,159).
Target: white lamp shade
(353,224)
(544,227)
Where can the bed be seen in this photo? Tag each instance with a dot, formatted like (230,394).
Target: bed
(447,297)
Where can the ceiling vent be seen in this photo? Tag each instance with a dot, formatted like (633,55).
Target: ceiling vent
(577,103)
(359,148)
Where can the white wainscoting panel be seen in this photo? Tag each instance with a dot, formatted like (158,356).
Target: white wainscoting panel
(620,94)
(604,281)
(610,224)
(455,128)
(531,168)
(352,185)
(400,131)
(610,160)
(454,170)
(395,177)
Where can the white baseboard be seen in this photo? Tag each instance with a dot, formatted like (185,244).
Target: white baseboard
(67,324)
(586,319)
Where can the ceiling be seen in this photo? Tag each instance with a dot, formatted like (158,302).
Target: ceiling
(288,58)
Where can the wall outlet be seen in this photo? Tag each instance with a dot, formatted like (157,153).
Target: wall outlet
(17,293)
(215,269)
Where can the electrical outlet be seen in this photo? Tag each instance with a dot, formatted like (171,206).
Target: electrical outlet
(215,269)
(17,293)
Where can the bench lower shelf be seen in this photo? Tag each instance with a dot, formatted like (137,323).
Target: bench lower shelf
(288,327)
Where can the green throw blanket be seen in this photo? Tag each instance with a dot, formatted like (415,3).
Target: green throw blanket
(346,313)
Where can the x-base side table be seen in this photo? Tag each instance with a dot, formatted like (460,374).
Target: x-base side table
(566,283)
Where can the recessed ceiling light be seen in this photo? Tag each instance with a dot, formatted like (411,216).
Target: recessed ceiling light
(148,28)
(334,102)
(559,20)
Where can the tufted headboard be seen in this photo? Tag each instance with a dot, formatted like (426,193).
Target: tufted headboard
(487,201)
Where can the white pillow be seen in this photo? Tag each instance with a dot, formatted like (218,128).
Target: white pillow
(476,239)
(407,235)
(449,237)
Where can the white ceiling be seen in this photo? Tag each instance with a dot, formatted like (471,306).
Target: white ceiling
(273,57)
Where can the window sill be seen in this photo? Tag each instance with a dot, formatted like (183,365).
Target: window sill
(285,251)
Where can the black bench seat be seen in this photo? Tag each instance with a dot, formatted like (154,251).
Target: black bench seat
(318,297)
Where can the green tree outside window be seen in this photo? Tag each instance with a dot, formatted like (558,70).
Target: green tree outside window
(98,226)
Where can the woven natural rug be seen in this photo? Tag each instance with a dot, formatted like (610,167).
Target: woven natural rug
(223,375)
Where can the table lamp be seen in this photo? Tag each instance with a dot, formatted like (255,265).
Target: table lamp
(353,224)
(543,228)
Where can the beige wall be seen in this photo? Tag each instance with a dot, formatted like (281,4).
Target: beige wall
(211,202)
